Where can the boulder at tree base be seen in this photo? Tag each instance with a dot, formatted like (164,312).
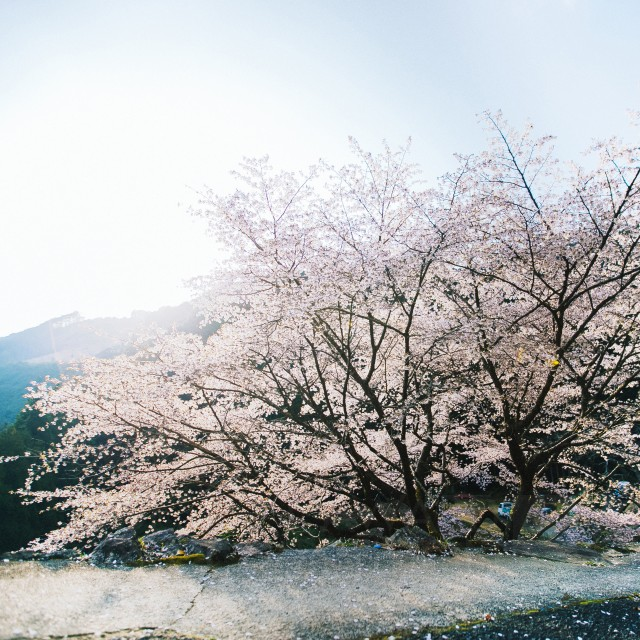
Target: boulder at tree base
(415,539)
(124,547)
(120,547)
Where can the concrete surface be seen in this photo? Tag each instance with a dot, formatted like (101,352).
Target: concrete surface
(332,593)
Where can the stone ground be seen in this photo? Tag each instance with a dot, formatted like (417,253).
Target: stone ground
(609,619)
(345,593)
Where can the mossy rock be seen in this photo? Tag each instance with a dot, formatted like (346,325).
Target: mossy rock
(192,558)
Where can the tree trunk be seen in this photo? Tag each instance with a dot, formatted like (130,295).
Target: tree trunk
(520,511)
(433,526)
(427,519)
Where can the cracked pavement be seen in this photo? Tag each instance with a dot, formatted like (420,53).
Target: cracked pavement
(317,594)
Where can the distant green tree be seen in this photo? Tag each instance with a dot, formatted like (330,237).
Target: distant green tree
(19,523)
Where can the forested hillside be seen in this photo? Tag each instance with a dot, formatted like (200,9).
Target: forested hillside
(14,378)
(24,442)
(48,348)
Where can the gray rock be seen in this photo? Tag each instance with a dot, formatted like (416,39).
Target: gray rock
(553,551)
(162,544)
(120,547)
(214,550)
(376,534)
(123,547)
(29,554)
(415,539)
(255,548)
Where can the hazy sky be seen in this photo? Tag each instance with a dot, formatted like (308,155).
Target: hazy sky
(114,113)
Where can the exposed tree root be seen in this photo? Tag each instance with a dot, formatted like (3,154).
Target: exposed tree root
(487,514)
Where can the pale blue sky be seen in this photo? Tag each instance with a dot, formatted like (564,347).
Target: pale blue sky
(113,112)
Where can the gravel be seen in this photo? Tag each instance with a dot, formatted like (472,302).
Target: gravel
(617,618)
(333,593)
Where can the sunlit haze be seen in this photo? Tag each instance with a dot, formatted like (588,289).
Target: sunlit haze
(114,114)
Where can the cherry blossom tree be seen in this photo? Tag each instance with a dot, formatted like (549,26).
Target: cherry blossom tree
(323,400)
(546,273)
(380,341)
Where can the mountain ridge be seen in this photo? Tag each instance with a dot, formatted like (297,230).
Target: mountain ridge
(71,337)
(48,347)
